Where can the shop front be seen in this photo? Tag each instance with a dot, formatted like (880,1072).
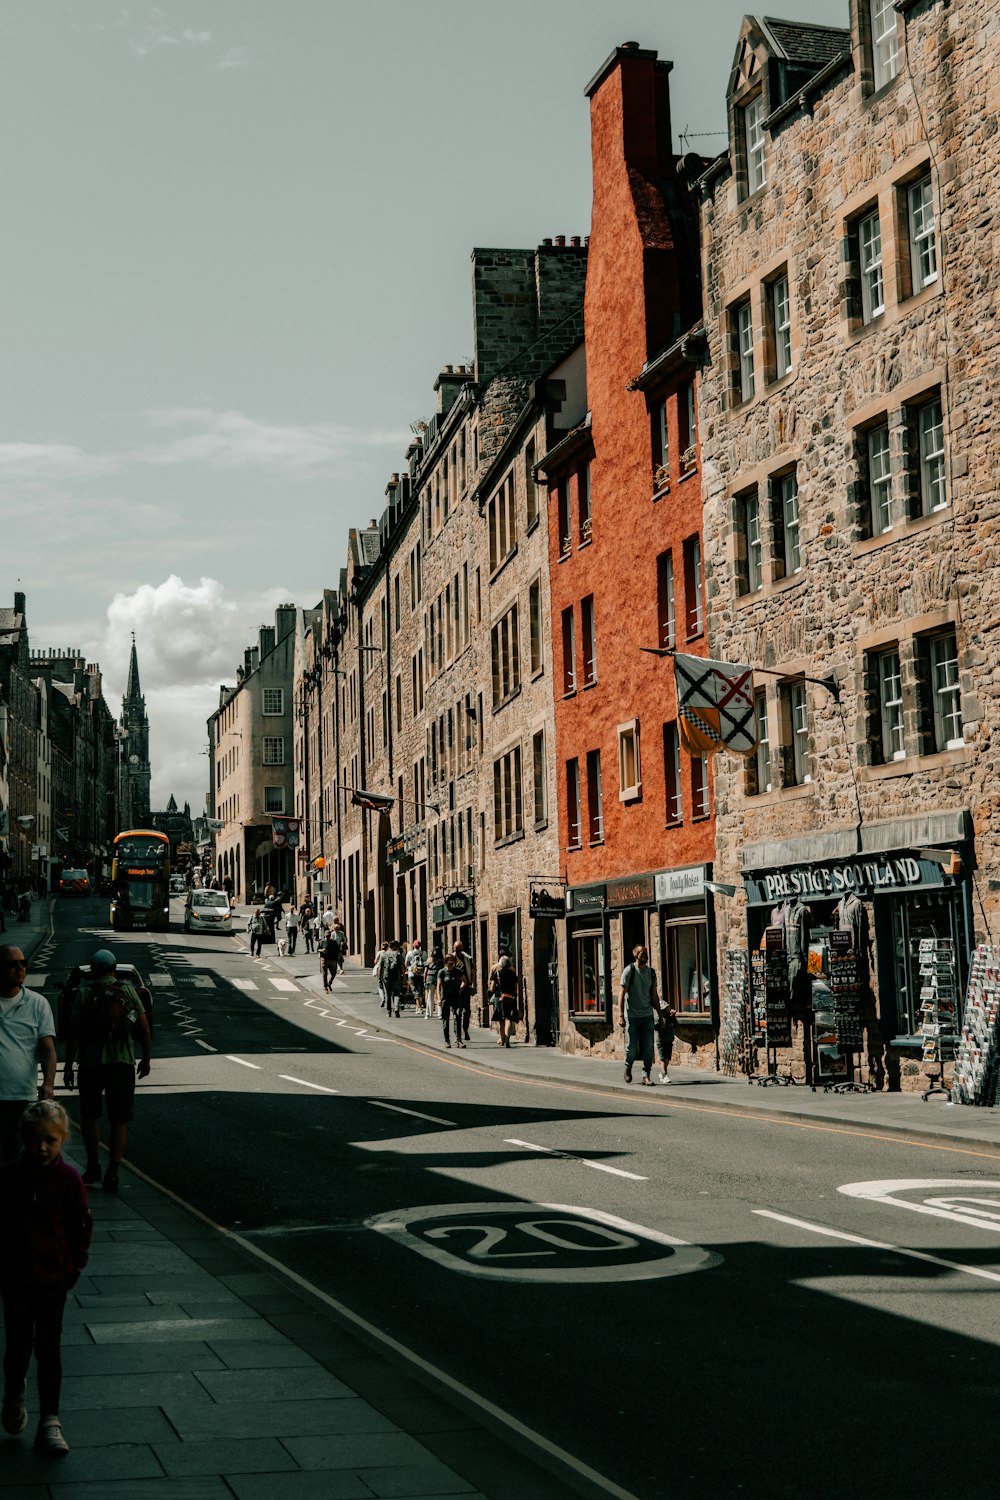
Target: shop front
(453,921)
(668,912)
(897,909)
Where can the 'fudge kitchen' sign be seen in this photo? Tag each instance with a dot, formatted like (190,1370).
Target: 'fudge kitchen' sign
(867,877)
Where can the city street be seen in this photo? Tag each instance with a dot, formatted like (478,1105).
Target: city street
(688,1303)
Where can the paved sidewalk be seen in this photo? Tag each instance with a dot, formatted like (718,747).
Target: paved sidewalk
(192,1371)
(935,1119)
(30,935)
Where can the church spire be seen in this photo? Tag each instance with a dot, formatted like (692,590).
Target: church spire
(132,689)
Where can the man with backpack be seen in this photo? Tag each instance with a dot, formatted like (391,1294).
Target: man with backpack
(392,978)
(639,1005)
(106,1020)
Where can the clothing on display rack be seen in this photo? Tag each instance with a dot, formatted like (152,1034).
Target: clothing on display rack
(852,917)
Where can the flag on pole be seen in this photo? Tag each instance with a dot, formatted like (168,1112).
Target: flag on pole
(715,706)
(285,832)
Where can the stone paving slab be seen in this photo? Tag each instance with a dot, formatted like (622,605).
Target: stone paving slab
(289,1418)
(329,1485)
(205,1487)
(236,1355)
(81,1392)
(139,1359)
(228,1454)
(358,1450)
(195,1329)
(272,1385)
(122,1461)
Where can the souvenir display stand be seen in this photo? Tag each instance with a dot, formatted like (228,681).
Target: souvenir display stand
(838,1035)
(977,1064)
(737,1025)
(771,998)
(935,958)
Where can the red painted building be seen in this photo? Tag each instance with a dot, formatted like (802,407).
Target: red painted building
(635,812)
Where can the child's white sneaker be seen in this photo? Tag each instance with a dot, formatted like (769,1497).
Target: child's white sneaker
(663,1076)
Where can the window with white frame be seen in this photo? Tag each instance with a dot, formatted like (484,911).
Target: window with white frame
(796,736)
(674,810)
(885,41)
(506,657)
(274,750)
(583,503)
(744,337)
(569,650)
(753,136)
(503,523)
(274,799)
(540,776)
(930,436)
(508,812)
(574,831)
(629,768)
(536,626)
(749,547)
(274,701)
(693,588)
(923,239)
(595,805)
(785,489)
(666,605)
(661,446)
(870,266)
(942,727)
(879,476)
(699,786)
(761,765)
(890,706)
(589,644)
(781,324)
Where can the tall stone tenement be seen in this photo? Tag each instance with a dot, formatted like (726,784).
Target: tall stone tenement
(849,247)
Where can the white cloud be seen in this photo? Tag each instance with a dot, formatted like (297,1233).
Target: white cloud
(156,38)
(231,439)
(190,639)
(236,57)
(43,463)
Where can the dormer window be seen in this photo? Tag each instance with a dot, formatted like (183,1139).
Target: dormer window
(753,139)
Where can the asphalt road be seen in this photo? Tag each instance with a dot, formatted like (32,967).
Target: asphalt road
(688,1302)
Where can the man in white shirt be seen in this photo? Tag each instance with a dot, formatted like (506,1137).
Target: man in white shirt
(27,1038)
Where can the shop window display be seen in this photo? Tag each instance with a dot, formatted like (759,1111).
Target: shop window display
(587,987)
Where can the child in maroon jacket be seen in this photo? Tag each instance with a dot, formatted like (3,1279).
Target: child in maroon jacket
(43,1248)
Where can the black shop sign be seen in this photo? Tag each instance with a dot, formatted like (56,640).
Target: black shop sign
(882,874)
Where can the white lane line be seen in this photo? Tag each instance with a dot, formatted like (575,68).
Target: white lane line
(434,1119)
(285,985)
(320,1088)
(598,1166)
(857,1239)
(243,984)
(242,1062)
(206,1045)
(203,982)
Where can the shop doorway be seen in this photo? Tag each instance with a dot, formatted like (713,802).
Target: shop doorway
(633,932)
(544,983)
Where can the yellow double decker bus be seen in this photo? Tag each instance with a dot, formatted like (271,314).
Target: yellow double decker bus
(140,881)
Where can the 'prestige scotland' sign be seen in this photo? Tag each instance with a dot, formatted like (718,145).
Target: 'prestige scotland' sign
(866,877)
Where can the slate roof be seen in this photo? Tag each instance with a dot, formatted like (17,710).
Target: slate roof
(805,43)
(10,619)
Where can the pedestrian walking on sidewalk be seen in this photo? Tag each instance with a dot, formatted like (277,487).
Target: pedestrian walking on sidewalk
(638,1004)
(451,984)
(378,971)
(503,989)
(328,951)
(47,1229)
(666,1029)
(106,1019)
(393,978)
(312,931)
(435,964)
(292,929)
(464,963)
(43,1249)
(340,933)
(255,931)
(416,966)
(27,1039)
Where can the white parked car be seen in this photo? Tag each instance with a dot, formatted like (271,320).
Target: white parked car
(208,911)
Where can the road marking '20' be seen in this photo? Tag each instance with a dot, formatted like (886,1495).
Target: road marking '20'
(968,1207)
(577,1244)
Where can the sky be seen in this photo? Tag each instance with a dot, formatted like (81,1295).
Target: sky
(236,255)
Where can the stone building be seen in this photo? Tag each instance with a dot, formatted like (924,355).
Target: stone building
(849,257)
(176,823)
(18,697)
(626,578)
(84,738)
(250,735)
